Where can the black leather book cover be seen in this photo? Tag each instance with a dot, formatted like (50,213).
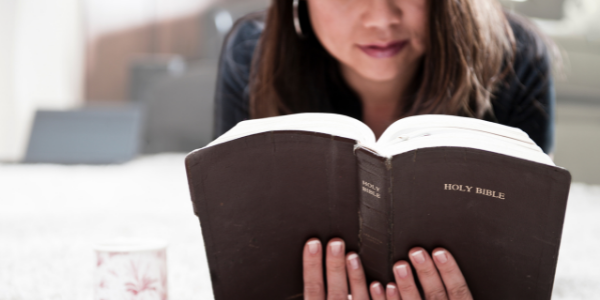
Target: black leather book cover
(261,197)
(501,217)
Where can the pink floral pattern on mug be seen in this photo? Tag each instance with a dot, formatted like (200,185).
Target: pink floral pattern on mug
(137,274)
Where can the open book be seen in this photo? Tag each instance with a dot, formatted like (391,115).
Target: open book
(484,191)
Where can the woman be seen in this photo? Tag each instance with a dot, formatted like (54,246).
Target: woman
(379,61)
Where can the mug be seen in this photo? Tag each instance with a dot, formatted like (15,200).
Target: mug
(132,269)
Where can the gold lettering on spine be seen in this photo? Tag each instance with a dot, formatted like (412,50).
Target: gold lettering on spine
(371,189)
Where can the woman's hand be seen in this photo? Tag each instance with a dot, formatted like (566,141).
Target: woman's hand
(440,277)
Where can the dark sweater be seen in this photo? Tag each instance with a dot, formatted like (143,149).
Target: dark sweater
(524,100)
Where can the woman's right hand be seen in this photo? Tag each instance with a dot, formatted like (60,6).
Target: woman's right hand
(440,277)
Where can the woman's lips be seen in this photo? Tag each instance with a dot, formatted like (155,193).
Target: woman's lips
(383,50)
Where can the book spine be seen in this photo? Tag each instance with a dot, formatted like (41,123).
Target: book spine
(375,215)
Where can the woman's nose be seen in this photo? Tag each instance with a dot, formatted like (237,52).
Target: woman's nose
(381,13)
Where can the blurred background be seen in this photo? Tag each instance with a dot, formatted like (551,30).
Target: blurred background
(147,67)
(101,99)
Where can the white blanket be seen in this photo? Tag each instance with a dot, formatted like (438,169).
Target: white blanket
(50,216)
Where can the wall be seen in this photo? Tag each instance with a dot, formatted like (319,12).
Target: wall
(119,31)
(6,74)
(41,65)
(43,51)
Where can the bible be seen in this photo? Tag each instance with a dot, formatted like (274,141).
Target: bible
(484,191)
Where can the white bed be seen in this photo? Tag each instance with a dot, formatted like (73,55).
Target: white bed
(51,215)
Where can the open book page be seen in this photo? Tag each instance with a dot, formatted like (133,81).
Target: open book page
(441,137)
(424,131)
(427,131)
(333,124)
(425,122)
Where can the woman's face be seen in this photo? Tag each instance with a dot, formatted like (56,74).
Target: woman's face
(380,40)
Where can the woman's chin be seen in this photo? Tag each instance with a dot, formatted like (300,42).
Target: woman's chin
(374,71)
(379,75)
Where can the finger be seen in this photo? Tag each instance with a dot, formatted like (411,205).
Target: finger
(356,276)
(312,261)
(337,284)
(453,279)
(377,292)
(392,293)
(405,281)
(433,288)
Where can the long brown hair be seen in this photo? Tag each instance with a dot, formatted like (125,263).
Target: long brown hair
(471,47)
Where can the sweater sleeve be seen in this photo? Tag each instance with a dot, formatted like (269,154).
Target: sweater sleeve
(527,99)
(232,92)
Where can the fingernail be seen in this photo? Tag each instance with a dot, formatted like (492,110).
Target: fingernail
(377,288)
(353,258)
(441,256)
(313,247)
(418,257)
(401,271)
(391,290)
(336,248)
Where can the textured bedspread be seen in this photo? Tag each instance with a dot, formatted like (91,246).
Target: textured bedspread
(50,216)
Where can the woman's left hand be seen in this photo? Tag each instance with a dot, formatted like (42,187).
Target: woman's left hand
(440,277)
